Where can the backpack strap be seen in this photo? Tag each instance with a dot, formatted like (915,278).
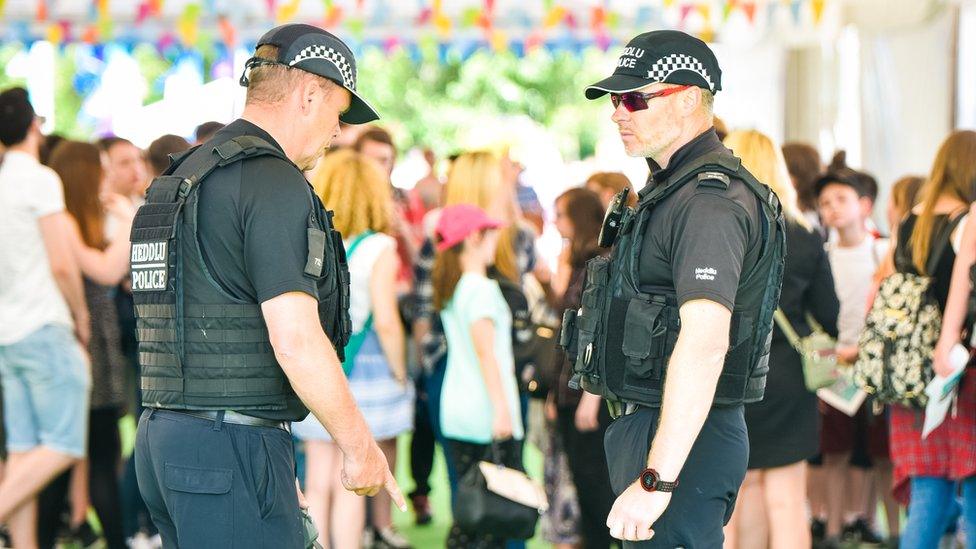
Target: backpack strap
(944,242)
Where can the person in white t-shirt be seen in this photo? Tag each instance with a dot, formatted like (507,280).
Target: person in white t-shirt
(855,256)
(43,319)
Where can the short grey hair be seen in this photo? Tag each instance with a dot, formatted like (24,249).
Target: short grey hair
(708,101)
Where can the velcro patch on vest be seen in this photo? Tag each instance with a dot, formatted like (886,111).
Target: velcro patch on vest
(150,266)
(717,180)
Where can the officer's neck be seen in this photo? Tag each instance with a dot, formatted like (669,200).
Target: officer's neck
(282,128)
(693,128)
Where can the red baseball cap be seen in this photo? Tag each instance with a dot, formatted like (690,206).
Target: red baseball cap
(458,222)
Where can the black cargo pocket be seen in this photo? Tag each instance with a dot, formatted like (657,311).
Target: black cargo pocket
(195,480)
(200,500)
(593,304)
(644,340)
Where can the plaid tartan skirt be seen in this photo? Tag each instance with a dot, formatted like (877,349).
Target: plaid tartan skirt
(948,452)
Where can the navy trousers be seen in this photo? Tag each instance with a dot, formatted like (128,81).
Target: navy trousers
(209,484)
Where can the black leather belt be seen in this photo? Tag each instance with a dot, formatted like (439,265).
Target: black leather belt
(236,418)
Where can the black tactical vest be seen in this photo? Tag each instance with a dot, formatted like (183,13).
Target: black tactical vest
(199,347)
(622,337)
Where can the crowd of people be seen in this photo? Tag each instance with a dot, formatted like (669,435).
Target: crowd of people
(448,290)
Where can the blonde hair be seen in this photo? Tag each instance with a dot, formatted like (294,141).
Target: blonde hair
(355,188)
(953,175)
(476,178)
(764,159)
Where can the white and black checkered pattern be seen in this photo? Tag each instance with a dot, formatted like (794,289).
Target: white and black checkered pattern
(663,67)
(332,56)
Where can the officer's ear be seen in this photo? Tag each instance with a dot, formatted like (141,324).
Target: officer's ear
(690,100)
(308,93)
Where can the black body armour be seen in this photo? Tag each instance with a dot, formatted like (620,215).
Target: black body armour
(199,347)
(621,338)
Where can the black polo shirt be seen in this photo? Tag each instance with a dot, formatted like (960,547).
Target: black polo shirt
(252,225)
(700,240)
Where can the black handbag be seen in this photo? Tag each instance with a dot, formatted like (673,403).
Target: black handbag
(479,509)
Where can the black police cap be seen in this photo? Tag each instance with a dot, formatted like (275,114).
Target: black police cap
(667,56)
(321,53)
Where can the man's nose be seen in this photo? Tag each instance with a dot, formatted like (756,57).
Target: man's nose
(620,114)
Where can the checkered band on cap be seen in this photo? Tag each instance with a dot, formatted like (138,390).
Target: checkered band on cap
(663,67)
(332,56)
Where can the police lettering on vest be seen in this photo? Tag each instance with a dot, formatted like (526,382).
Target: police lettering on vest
(199,347)
(622,338)
(149,262)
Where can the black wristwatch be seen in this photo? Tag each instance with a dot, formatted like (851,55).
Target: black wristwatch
(650,481)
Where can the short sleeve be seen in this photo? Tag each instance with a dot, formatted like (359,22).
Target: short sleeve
(275,205)
(477,300)
(47,194)
(709,241)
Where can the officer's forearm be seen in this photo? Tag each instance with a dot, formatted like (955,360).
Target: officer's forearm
(313,369)
(693,373)
(316,375)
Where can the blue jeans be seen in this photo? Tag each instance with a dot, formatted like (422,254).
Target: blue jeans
(931,509)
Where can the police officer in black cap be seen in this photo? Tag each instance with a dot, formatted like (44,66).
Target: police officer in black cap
(674,326)
(242,294)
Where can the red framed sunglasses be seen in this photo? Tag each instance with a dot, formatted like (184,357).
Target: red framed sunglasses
(637,101)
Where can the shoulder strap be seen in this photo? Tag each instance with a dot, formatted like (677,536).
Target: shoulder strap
(189,169)
(943,242)
(357,241)
(787,328)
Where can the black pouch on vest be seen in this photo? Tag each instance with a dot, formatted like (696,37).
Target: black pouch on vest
(316,252)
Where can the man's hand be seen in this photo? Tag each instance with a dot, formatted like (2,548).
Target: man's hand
(588,413)
(634,513)
(368,476)
(302,502)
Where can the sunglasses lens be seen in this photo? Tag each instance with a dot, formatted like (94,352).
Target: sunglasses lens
(633,101)
(615,99)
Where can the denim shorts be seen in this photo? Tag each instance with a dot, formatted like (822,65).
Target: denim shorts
(46,384)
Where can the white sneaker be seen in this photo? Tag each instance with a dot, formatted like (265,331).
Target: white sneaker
(143,541)
(390,537)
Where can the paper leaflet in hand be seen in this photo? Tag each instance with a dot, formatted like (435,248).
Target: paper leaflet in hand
(843,394)
(942,390)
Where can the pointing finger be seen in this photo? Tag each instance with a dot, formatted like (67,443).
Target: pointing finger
(394,490)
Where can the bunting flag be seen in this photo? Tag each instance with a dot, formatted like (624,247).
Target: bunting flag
(188,26)
(559,25)
(287,11)
(749,8)
(727,9)
(818,10)
(795,7)
(685,11)
(228,33)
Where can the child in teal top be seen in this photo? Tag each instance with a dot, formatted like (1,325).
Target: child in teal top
(467,411)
